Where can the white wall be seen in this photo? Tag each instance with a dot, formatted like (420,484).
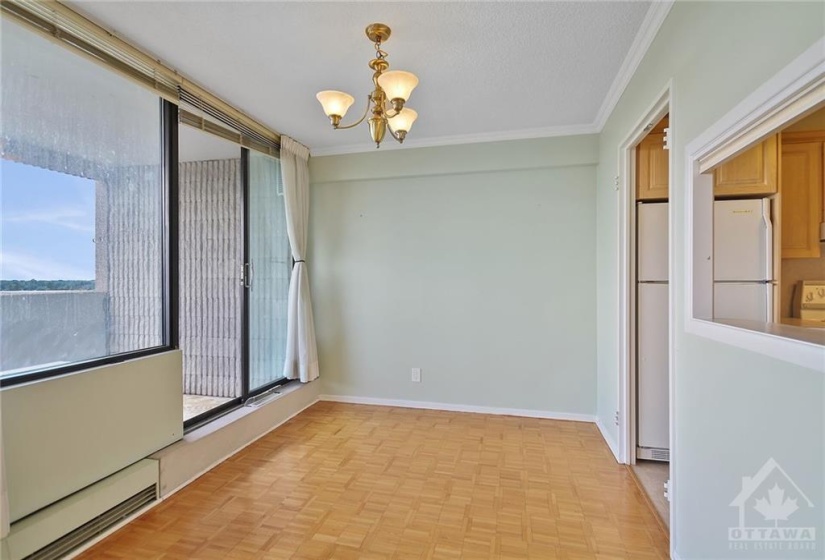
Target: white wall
(475,263)
(734,409)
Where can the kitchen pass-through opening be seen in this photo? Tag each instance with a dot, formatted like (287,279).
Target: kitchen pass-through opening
(754,214)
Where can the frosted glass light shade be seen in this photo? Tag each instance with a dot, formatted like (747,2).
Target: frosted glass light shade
(335,102)
(397,84)
(403,120)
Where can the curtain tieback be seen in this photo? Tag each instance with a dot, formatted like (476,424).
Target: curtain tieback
(296,262)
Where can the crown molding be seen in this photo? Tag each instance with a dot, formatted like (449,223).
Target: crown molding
(524,134)
(654,18)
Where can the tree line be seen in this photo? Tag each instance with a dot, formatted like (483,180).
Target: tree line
(45,285)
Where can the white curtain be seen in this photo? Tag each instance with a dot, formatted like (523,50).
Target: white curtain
(301,351)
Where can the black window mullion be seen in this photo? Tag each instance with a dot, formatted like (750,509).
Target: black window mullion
(245,362)
(170,158)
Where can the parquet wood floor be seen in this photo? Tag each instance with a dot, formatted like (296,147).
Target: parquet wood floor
(350,481)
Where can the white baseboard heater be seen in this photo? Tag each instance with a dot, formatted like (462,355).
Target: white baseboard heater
(56,530)
(653,454)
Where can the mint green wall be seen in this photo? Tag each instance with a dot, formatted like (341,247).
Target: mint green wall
(734,409)
(475,263)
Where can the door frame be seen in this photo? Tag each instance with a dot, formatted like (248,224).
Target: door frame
(626,184)
(627,277)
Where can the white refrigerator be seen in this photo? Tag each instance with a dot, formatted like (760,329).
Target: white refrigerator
(743,260)
(652,342)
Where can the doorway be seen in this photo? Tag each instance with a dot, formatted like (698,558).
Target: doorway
(644,412)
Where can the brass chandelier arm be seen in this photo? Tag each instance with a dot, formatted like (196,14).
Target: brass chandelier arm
(353,125)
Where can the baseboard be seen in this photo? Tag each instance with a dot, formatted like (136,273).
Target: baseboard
(611,443)
(526,413)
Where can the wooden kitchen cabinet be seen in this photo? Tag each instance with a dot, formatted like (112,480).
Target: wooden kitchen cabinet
(753,172)
(653,165)
(801,192)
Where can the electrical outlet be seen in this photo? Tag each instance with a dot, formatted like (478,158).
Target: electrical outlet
(416,375)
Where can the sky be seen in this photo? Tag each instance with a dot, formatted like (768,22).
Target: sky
(48,224)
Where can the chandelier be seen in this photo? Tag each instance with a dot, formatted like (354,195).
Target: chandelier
(392,90)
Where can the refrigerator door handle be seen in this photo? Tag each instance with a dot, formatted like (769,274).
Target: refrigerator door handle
(766,218)
(769,293)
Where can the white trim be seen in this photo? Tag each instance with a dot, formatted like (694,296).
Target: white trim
(672,370)
(611,443)
(626,221)
(647,32)
(769,95)
(654,18)
(801,75)
(450,407)
(524,134)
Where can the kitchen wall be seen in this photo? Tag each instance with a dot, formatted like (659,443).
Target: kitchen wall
(475,263)
(733,409)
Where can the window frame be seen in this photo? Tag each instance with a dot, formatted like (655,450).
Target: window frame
(168,114)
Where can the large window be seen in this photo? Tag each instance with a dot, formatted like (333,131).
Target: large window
(83,240)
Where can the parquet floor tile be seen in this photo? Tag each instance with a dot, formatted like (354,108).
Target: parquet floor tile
(343,481)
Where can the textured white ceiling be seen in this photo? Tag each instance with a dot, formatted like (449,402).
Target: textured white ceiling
(488,70)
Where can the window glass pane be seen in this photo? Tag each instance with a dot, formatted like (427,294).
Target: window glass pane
(81,252)
(211,256)
(271,262)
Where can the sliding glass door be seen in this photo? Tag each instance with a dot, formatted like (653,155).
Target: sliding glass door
(270,264)
(234,268)
(210,256)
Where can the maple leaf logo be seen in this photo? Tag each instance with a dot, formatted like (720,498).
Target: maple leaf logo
(776,507)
